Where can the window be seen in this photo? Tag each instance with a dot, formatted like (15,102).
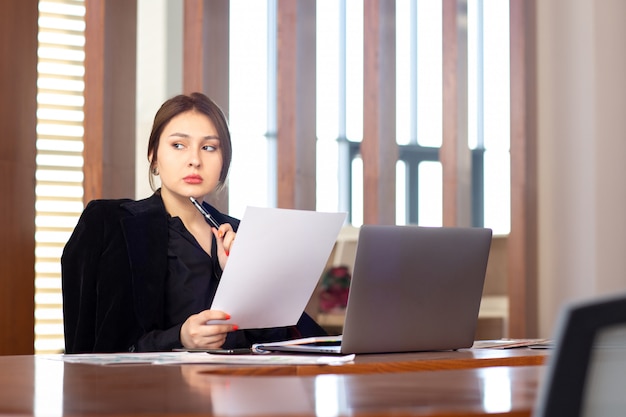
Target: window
(340,108)
(252,116)
(59,172)
(489,104)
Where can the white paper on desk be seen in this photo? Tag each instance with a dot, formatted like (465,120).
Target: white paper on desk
(274,265)
(201,358)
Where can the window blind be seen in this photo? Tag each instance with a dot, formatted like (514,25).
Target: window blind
(59,172)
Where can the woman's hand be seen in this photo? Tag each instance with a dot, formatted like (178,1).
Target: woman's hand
(225,237)
(197,334)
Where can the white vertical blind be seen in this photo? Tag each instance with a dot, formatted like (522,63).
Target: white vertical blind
(59,175)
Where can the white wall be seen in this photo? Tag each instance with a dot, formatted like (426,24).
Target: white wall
(581,151)
(159,71)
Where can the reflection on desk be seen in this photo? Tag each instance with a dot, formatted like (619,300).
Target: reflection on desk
(402,362)
(276,364)
(433,361)
(35,386)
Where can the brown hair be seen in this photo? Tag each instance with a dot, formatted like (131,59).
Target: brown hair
(181,104)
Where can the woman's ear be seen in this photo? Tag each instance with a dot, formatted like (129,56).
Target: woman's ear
(153,168)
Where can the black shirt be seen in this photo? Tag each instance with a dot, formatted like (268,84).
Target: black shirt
(192,277)
(191,284)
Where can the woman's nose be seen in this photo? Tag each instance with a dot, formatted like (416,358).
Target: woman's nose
(194,159)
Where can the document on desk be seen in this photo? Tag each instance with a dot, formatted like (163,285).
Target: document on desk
(254,359)
(275,264)
(179,358)
(513,344)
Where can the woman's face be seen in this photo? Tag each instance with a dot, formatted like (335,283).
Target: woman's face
(189,157)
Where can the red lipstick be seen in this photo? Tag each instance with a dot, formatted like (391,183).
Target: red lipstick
(193,179)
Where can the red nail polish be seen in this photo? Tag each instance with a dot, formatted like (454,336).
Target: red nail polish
(227,252)
(227,317)
(235,327)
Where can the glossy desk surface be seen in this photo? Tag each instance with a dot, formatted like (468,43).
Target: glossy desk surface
(404,362)
(31,385)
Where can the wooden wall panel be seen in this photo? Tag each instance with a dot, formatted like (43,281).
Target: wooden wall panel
(110,81)
(454,154)
(295,112)
(379,149)
(522,240)
(206,59)
(18,107)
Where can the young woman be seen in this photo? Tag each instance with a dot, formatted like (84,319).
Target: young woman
(141,275)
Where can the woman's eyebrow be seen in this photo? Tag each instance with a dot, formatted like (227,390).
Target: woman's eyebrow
(185,135)
(177,134)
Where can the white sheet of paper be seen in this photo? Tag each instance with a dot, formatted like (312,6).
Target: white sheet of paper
(274,265)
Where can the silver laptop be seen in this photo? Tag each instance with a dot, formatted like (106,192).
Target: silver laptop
(413,289)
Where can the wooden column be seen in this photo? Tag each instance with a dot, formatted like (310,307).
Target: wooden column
(18,108)
(454,154)
(296,113)
(522,240)
(205,58)
(110,72)
(379,149)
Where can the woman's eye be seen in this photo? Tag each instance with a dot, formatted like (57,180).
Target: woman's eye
(177,145)
(209,148)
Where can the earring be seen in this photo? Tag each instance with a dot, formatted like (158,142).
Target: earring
(155,171)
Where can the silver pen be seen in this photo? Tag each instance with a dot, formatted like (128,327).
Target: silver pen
(205,213)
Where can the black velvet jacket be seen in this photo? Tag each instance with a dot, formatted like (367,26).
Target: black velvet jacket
(114,269)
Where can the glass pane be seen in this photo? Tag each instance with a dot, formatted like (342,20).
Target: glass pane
(354,70)
(404,68)
(489,104)
(330,103)
(401,193)
(474,73)
(328,67)
(430,194)
(357,192)
(429,73)
(248,118)
(496,74)
(497,191)
(327,175)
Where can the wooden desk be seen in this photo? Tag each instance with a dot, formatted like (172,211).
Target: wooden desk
(404,362)
(37,386)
